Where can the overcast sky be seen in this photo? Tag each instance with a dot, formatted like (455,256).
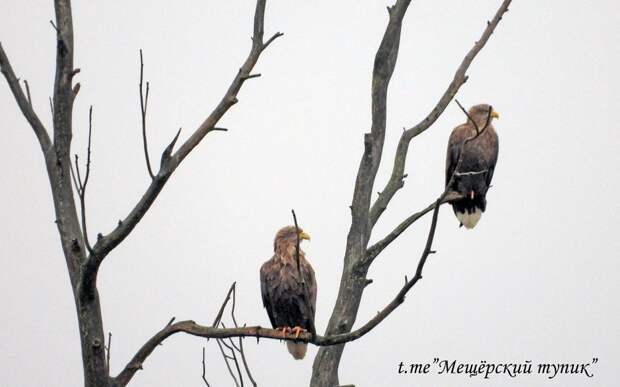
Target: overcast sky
(536,280)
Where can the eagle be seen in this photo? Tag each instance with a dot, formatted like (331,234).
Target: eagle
(289,291)
(472,177)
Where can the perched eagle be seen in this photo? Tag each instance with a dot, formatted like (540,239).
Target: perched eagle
(474,174)
(289,302)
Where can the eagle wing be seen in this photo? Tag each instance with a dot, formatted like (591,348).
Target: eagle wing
(310,280)
(491,145)
(265,274)
(484,148)
(287,301)
(458,135)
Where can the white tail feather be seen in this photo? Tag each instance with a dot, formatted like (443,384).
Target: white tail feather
(469,220)
(298,350)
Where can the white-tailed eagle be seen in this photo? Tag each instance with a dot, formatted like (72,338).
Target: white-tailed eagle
(290,302)
(473,176)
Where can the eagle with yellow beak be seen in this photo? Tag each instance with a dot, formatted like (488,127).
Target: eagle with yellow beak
(289,291)
(472,177)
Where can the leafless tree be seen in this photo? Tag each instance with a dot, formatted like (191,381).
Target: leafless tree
(84,260)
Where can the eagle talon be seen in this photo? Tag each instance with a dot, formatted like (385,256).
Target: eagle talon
(285,331)
(298,330)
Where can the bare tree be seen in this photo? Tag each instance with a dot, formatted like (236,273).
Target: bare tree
(84,260)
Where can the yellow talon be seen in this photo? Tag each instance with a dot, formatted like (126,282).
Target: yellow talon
(298,330)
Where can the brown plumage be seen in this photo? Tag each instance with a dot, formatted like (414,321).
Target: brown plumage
(473,177)
(288,303)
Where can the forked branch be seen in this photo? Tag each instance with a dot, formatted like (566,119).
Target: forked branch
(80,185)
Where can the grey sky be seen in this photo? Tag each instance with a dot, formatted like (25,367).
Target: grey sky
(535,280)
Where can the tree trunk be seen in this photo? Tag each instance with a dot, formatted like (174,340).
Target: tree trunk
(88,309)
(93,343)
(327,360)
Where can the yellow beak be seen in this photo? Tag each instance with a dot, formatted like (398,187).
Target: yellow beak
(303,235)
(494,114)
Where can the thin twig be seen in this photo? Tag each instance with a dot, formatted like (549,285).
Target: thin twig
(232,374)
(302,276)
(239,348)
(466,113)
(108,349)
(28,93)
(77,170)
(231,346)
(90,130)
(297,242)
(270,40)
(144,100)
(232,309)
(23,102)
(218,317)
(236,362)
(75,182)
(245,363)
(81,185)
(204,368)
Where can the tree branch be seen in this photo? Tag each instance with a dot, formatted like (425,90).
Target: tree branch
(190,327)
(398,171)
(24,102)
(378,247)
(385,62)
(108,242)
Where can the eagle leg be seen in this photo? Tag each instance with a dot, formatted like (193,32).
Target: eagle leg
(298,330)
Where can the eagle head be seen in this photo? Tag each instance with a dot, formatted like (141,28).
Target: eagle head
(287,236)
(480,113)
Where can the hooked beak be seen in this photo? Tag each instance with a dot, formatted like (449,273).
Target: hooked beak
(494,114)
(303,235)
